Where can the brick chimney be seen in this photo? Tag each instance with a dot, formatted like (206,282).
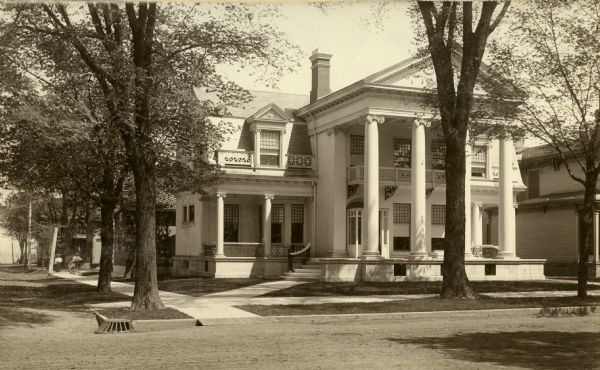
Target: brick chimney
(320,75)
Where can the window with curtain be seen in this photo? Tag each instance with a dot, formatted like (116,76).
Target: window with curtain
(297,223)
(277,222)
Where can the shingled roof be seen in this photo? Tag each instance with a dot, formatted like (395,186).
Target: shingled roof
(288,102)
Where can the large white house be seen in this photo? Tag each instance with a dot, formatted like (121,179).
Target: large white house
(359,174)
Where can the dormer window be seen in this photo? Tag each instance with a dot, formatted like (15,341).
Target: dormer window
(268,126)
(270,144)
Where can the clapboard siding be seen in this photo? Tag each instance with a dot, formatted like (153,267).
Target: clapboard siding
(550,235)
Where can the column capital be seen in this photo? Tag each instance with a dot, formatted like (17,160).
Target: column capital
(372,118)
(269,196)
(221,195)
(421,121)
(477,204)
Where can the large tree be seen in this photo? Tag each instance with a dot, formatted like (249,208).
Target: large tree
(449,26)
(551,59)
(145,60)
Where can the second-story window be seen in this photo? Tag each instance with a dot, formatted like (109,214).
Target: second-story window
(357,144)
(438,154)
(402,153)
(479,161)
(269,148)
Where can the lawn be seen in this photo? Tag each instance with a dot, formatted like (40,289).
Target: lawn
(198,287)
(417,305)
(322,289)
(125,313)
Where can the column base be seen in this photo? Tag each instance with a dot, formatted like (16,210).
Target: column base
(371,256)
(507,255)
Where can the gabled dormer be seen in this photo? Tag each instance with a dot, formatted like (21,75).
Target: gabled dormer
(268,125)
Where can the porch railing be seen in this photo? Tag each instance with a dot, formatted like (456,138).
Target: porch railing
(395,174)
(253,250)
(235,158)
(301,161)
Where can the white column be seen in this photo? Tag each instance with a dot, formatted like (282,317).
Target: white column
(468,241)
(476,224)
(506,210)
(338,196)
(371,183)
(220,225)
(418,224)
(267,224)
(596,243)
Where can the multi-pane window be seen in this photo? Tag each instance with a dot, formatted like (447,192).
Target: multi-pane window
(357,144)
(188,213)
(438,154)
(438,214)
(297,223)
(479,161)
(402,213)
(231,223)
(269,148)
(277,221)
(402,153)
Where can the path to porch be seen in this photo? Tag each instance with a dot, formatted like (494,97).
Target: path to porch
(218,308)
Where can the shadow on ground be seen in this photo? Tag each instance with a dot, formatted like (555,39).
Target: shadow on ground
(26,298)
(529,349)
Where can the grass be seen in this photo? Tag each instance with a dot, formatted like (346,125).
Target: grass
(125,313)
(418,305)
(198,287)
(322,289)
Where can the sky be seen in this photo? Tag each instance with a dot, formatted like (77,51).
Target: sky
(349,32)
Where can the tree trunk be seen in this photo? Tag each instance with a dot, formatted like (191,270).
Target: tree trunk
(107,236)
(455,283)
(587,233)
(145,296)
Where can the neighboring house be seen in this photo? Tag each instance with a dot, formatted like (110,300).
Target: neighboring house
(549,212)
(358,173)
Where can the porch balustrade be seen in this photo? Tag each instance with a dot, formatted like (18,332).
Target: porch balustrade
(251,250)
(247,159)
(395,174)
(302,161)
(233,158)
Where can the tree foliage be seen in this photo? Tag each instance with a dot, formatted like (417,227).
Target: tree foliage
(551,58)
(145,61)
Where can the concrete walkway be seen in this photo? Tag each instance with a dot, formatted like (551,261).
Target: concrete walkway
(218,308)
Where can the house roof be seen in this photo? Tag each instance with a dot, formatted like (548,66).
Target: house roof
(287,102)
(412,76)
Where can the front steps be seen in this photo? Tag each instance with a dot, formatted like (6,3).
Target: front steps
(307,272)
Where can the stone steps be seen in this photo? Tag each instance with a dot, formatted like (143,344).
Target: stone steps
(308,272)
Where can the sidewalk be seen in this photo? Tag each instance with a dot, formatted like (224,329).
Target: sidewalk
(218,307)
